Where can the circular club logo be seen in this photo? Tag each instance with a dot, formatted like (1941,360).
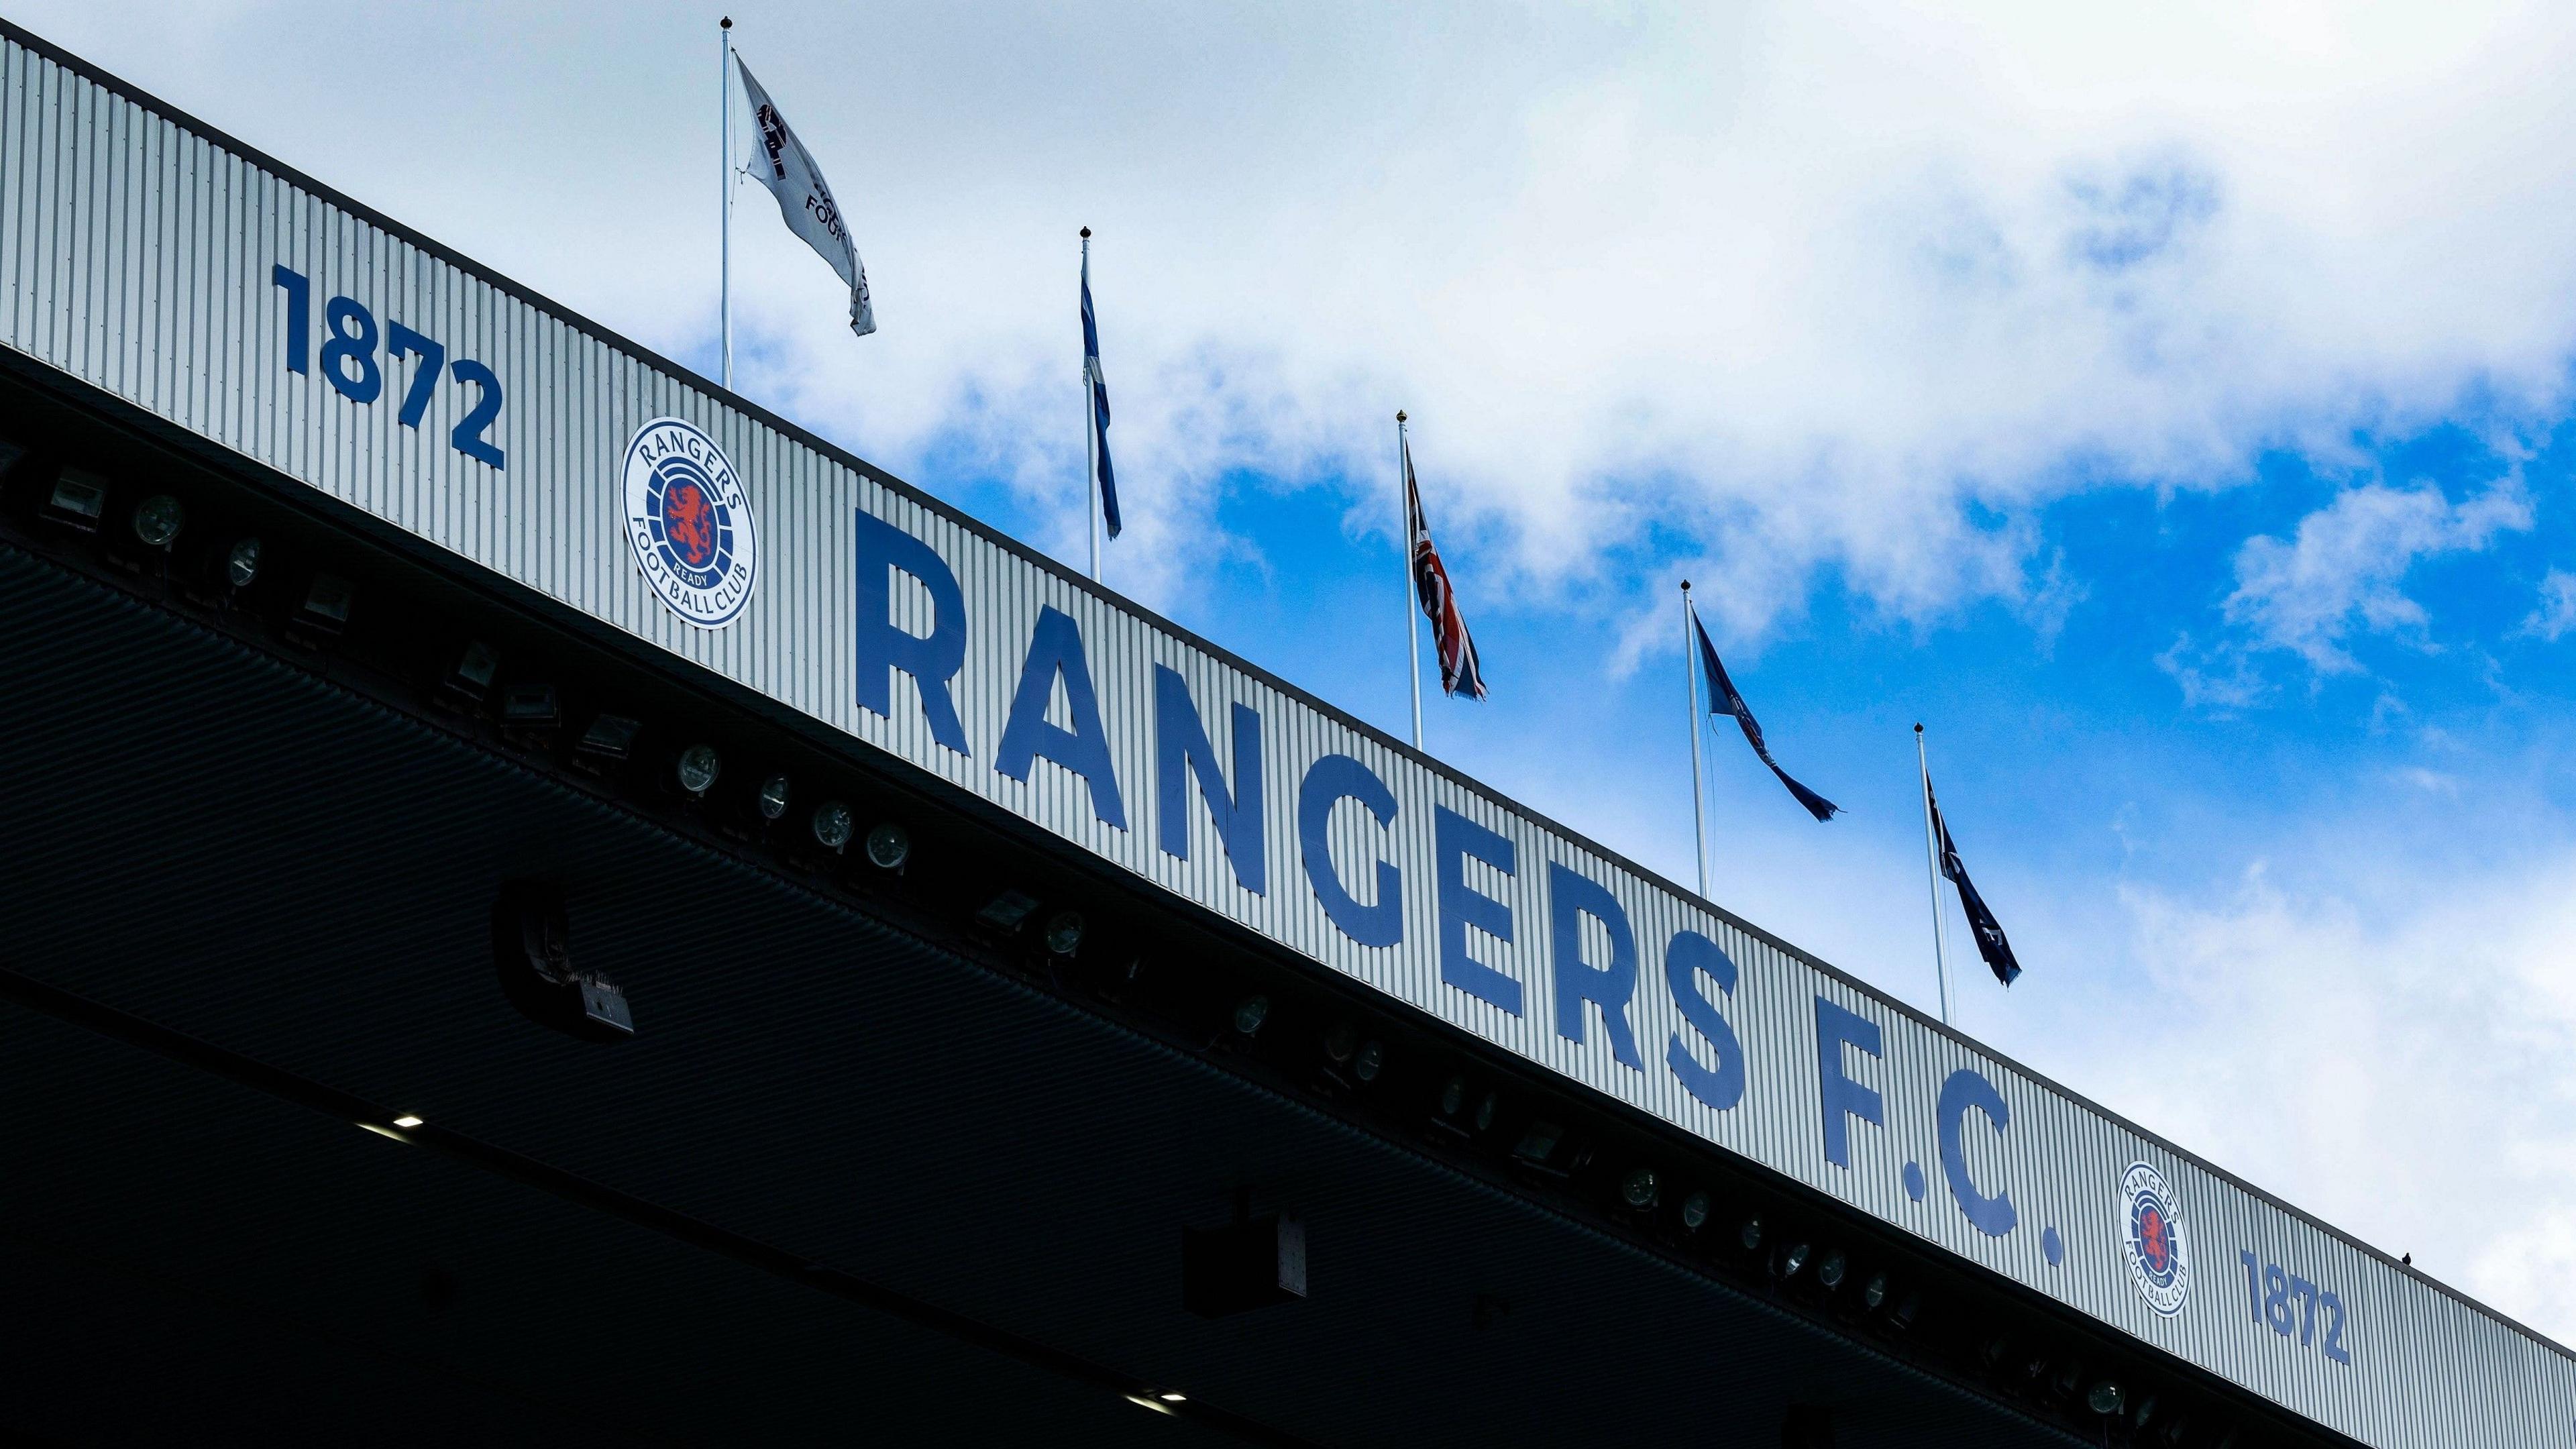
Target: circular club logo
(690,523)
(2151,1226)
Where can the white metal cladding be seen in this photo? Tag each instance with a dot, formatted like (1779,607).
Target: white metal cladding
(137,249)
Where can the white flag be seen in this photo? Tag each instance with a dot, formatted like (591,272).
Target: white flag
(781,162)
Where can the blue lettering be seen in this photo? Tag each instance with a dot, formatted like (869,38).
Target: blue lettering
(1055,649)
(1690,957)
(933,661)
(1570,898)
(1332,779)
(1181,749)
(1454,838)
(1992,1216)
(1842,1097)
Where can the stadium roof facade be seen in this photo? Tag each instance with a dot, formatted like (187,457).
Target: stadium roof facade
(914,1119)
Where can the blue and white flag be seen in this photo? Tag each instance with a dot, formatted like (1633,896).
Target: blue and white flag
(1099,401)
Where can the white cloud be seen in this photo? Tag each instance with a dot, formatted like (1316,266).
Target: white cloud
(2557,612)
(2343,570)
(1798,282)
(2378,1047)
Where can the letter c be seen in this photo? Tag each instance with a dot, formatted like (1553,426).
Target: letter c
(1992,1216)
(1333,779)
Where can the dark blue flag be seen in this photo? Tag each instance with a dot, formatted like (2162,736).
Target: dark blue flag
(1099,400)
(1722,699)
(1991,945)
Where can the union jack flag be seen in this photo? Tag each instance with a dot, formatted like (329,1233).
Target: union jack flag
(1459,671)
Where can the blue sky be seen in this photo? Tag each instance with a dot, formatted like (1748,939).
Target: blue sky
(2168,405)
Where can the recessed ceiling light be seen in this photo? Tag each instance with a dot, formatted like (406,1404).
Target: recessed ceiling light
(1174,1398)
(406,1120)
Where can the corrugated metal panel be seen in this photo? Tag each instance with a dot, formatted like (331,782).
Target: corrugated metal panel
(138,256)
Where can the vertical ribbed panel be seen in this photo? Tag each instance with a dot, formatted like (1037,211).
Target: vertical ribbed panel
(136,255)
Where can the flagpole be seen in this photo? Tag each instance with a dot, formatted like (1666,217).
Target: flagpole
(724,142)
(1412,599)
(1932,869)
(1699,792)
(1090,436)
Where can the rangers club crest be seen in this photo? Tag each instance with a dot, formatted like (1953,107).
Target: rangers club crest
(690,522)
(2151,1227)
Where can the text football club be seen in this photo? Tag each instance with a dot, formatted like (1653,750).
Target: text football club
(689,520)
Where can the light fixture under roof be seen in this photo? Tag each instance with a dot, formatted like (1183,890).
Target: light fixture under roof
(889,846)
(1640,1189)
(241,563)
(1064,932)
(1006,912)
(1250,1013)
(157,520)
(697,768)
(831,825)
(407,1121)
(78,502)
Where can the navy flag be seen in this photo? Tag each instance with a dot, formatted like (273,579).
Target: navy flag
(1991,944)
(1099,400)
(1722,699)
(1460,671)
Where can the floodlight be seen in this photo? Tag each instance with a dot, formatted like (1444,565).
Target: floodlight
(773,797)
(469,682)
(530,707)
(1250,1013)
(1370,1061)
(2105,1398)
(697,768)
(78,502)
(241,563)
(1694,1211)
(1340,1042)
(1007,912)
(889,846)
(326,604)
(831,824)
(1640,1189)
(608,741)
(1064,932)
(1539,1141)
(157,520)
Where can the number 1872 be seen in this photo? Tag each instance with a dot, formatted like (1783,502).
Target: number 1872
(2286,1302)
(350,363)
